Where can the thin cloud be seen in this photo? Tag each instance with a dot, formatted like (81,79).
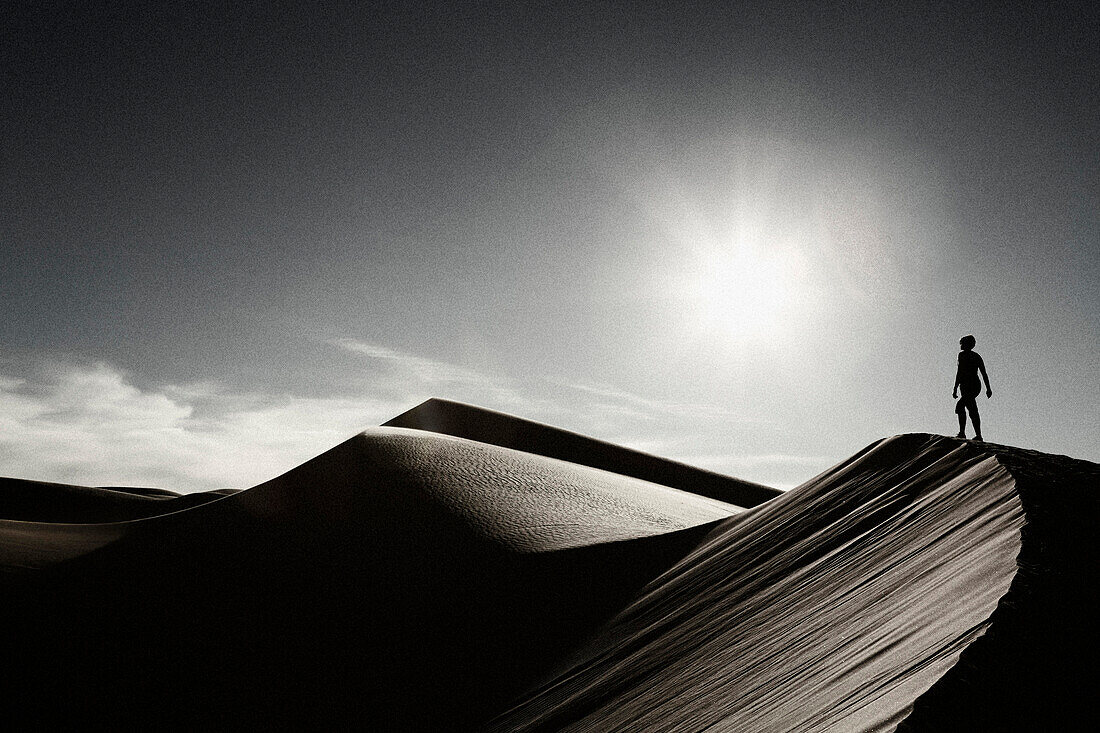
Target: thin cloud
(773,458)
(418,378)
(778,470)
(655,409)
(411,366)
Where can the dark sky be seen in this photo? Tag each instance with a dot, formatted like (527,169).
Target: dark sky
(787,213)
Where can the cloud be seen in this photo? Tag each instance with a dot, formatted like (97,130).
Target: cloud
(94,424)
(417,378)
(626,402)
(411,366)
(778,470)
(91,425)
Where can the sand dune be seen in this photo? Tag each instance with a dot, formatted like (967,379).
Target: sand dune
(427,482)
(40,501)
(397,560)
(457,570)
(45,523)
(832,608)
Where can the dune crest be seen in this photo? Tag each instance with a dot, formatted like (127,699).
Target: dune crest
(497,428)
(43,523)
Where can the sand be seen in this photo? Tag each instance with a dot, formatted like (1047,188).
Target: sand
(456,570)
(831,608)
(42,523)
(427,483)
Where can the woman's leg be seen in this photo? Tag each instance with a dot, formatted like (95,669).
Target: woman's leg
(975,418)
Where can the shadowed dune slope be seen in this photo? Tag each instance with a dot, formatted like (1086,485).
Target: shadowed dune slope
(487,426)
(42,501)
(1036,667)
(44,523)
(831,608)
(403,581)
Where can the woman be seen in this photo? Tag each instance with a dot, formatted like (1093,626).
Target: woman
(966,379)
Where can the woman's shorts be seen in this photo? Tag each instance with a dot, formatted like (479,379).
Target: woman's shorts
(969,390)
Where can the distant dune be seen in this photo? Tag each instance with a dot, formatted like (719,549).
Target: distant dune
(460,569)
(45,523)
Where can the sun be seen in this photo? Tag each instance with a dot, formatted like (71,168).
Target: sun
(739,257)
(740,290)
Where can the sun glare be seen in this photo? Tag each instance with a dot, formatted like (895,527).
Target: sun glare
(741,261)
(741,291)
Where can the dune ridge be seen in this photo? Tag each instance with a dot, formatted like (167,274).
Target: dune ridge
(43,501)
(1035,667)
(497,428)
(523,501)
(44,523)
(830,608)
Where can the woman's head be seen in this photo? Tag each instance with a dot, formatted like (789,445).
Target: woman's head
(967,342)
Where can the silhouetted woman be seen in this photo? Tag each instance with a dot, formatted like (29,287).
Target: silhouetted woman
(966,379)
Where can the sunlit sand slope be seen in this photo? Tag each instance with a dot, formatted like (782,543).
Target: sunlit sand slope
(831,608)
(487,426)
(521,501)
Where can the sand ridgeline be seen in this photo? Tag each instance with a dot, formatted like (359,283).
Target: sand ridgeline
(831,608)
(432,575)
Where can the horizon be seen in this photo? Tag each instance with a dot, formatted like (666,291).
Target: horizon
(745,239)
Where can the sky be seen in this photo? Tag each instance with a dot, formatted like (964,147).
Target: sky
(747,237)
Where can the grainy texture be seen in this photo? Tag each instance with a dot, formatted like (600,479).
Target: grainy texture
(402,581)
(410,581)
(45,523)
(526,502)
